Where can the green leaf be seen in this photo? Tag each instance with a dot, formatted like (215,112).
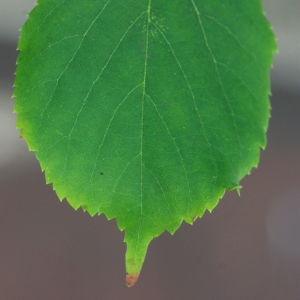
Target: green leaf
(144,110)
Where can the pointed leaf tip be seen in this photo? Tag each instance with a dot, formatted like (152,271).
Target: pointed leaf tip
(131,279)
(135,256)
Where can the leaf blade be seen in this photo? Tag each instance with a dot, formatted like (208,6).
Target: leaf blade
(153,128)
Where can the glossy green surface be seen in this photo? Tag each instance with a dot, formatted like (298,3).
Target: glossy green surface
(145,110)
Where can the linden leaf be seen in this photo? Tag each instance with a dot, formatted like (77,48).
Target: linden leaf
(144,110)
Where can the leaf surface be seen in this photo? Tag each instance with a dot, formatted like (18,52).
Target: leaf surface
(144,110)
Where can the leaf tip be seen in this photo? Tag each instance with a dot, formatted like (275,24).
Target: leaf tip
(131,279)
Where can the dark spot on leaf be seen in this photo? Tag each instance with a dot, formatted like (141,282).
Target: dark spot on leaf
(101,173)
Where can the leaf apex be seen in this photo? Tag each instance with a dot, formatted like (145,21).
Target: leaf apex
(131,279)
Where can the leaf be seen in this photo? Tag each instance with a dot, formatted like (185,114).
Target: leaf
(144,110)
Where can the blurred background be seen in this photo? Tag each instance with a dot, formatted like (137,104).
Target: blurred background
(249,248)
